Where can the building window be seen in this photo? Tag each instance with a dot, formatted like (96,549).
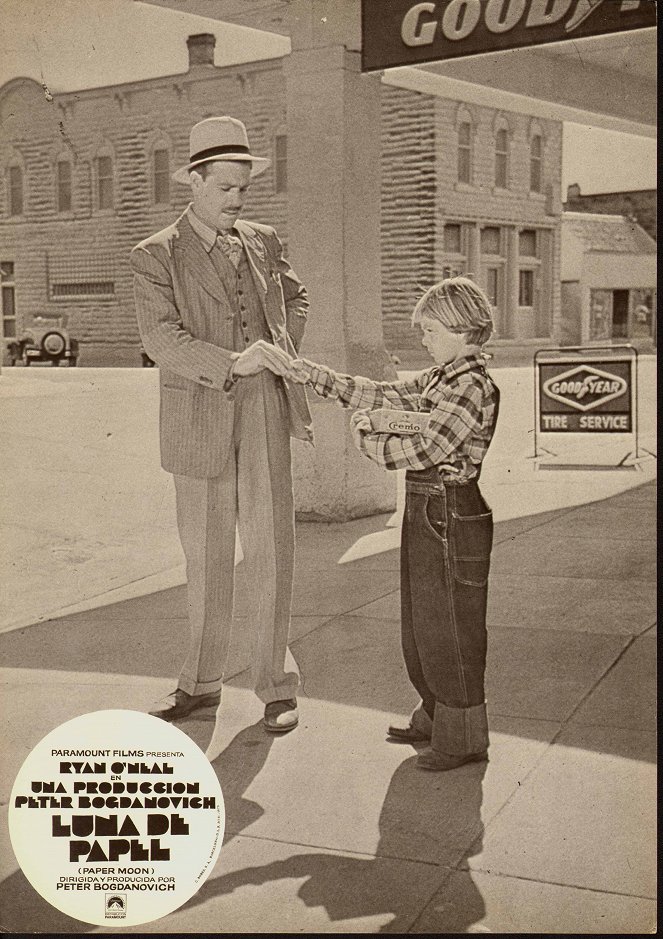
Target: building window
(76,277)
(493,284)
(85,289)
(535,163)
(161,176)
(453,242)
(501,159)
(527,243)
(63,182)
(8,296)
(104,172)
(280,163)
(465,152)
(490,240)
(15,190)
(526,288)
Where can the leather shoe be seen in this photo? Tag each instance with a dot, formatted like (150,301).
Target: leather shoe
(436,760)
(281,716)
(180,704)
(407,734)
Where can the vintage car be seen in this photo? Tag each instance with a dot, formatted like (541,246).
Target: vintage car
(45,340)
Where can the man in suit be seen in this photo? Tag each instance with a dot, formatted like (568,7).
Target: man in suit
(219,309)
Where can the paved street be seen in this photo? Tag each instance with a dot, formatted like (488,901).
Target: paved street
(332,828)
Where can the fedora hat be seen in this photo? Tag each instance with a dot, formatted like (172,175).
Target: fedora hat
(219,138)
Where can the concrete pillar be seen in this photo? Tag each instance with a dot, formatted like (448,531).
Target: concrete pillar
(544,318)
(333,114)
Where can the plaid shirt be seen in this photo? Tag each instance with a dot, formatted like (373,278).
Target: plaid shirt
(460,397)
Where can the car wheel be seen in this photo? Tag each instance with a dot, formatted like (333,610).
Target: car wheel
(53,344)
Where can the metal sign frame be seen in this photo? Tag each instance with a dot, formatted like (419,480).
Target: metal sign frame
(406,32)
(584,355)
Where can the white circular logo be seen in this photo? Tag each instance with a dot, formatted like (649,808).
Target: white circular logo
(116,818)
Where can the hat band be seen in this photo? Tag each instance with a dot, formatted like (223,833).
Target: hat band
(211,152)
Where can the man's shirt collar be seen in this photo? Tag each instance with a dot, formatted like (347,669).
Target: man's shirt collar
(206,234)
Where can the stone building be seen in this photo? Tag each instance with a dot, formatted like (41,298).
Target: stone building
(465,188)
(483,199)
(638,204)
(608,281)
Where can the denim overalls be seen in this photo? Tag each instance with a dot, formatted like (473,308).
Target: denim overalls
(445,558)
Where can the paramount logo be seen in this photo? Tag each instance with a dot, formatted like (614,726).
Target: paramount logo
(585,388)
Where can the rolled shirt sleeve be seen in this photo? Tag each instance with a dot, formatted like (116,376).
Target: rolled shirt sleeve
(455,418)
(460,399)
(357,392)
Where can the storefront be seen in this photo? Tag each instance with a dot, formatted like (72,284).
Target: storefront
(608,280)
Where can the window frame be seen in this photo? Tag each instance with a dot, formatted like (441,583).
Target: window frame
(530,273)
(537,245)
(500,242)
(536,163)
(498,271)
(98,207)
(64,161)
(8,283)
(464,150)
(161,175)
(501,158)
(455,262)
(15,167)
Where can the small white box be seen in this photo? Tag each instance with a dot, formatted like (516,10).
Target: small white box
(391,421)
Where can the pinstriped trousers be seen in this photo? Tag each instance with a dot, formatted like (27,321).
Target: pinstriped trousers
(255,491)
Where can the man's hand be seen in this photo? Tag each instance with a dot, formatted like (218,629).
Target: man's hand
(298,372)
(360,424)
(259,356)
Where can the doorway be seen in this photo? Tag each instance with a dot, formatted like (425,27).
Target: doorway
(619,314)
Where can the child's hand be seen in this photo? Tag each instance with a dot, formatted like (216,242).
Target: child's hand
(360,424)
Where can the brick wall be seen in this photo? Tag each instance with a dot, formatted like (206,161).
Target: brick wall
(124,122)
(419,188)
(407,230)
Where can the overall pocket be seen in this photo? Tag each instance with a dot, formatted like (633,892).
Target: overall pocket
(471,542)
(435,515)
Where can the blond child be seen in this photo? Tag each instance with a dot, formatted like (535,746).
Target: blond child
(447,526)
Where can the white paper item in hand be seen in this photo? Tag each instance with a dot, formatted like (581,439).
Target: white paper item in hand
(392,421)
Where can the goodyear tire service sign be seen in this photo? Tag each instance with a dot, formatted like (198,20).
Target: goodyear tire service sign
(589,397)
(402,32)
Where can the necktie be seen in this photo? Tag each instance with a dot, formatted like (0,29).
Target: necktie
(231,247)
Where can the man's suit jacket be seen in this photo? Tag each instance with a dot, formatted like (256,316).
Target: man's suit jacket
(185,318)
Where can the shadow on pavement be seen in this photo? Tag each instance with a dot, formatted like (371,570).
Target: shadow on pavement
(349,658)
(354,658)
(237,766)
(24,910)
(354,887)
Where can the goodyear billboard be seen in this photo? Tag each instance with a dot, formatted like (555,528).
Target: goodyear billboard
(402,32)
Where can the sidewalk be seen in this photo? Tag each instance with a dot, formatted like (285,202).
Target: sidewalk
(333,829)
